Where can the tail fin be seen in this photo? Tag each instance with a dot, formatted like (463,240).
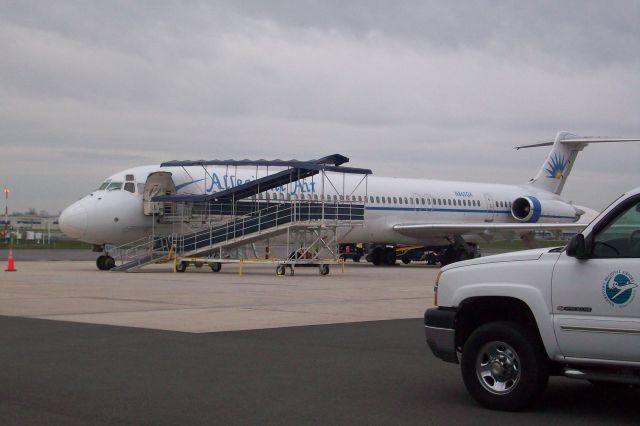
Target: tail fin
(556,168)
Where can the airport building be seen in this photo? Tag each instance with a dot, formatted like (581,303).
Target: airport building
(31,228)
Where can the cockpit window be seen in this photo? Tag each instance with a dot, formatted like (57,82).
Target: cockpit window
(104,185)
(114,186)
(130,187)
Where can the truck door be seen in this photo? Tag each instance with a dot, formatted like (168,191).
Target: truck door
(596,304)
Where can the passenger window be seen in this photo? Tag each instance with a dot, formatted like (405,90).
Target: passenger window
(377,199)
(621,237)
(449,200)
(395,200)
(400,200)
(405,200)
(130,187)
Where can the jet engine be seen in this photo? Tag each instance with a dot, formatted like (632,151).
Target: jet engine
(531,209)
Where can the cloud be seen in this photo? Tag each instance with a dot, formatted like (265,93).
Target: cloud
(422,89)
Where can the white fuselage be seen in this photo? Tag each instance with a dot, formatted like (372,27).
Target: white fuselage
(114,214)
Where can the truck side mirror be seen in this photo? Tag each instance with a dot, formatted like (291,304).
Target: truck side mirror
(577,247)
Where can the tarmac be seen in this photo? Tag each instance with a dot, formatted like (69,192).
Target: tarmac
(199,300)
(83,347)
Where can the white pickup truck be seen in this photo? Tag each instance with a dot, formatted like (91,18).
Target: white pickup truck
(512,320)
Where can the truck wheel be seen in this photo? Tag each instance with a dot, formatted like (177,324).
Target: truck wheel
(356,258)
(504,367)
(405,259)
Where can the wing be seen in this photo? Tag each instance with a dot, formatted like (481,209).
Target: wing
(420,230)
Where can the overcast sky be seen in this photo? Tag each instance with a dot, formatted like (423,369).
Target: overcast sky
(418,89)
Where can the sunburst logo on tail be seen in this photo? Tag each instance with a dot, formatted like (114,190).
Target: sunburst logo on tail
(556,166)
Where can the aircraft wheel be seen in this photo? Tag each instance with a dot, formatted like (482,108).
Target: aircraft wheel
(100,262)
(181,267)
(376,256)
(215,267)
(389,256)
(324,269)
(280,270)
(109,263)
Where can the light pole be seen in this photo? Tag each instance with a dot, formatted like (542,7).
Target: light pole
(6,213)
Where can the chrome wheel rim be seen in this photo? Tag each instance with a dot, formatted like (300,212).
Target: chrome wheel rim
(498,368)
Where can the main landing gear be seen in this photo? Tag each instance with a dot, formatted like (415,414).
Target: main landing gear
(105,262)
(459,251)
(381,255)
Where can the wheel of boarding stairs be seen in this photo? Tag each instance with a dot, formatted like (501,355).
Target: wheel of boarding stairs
(280,270)
(216,266)
(181,267)
(324,269)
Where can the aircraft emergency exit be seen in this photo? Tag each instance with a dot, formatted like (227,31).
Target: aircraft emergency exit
(447,215)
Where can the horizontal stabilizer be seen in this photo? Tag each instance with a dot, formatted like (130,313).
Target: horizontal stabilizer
(578,141)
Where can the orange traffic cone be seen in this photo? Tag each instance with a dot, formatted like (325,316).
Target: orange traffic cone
(10,266)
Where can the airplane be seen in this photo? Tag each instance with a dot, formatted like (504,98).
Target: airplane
(449,216)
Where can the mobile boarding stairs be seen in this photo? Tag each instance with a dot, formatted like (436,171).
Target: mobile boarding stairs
(211,228)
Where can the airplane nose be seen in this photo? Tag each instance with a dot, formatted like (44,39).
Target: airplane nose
(73,221)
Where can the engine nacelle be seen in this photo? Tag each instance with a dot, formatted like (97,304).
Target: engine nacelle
(530,209)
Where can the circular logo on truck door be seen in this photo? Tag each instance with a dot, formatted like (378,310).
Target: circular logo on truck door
(619,288)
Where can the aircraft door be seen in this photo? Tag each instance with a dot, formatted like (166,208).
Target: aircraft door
(158,183)
(422,205)
(491,208)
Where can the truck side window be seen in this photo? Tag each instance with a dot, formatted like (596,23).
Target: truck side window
(621,236)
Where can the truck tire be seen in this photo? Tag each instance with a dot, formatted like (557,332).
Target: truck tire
(504,366)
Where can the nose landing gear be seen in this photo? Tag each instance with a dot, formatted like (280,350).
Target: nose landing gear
(105,262)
